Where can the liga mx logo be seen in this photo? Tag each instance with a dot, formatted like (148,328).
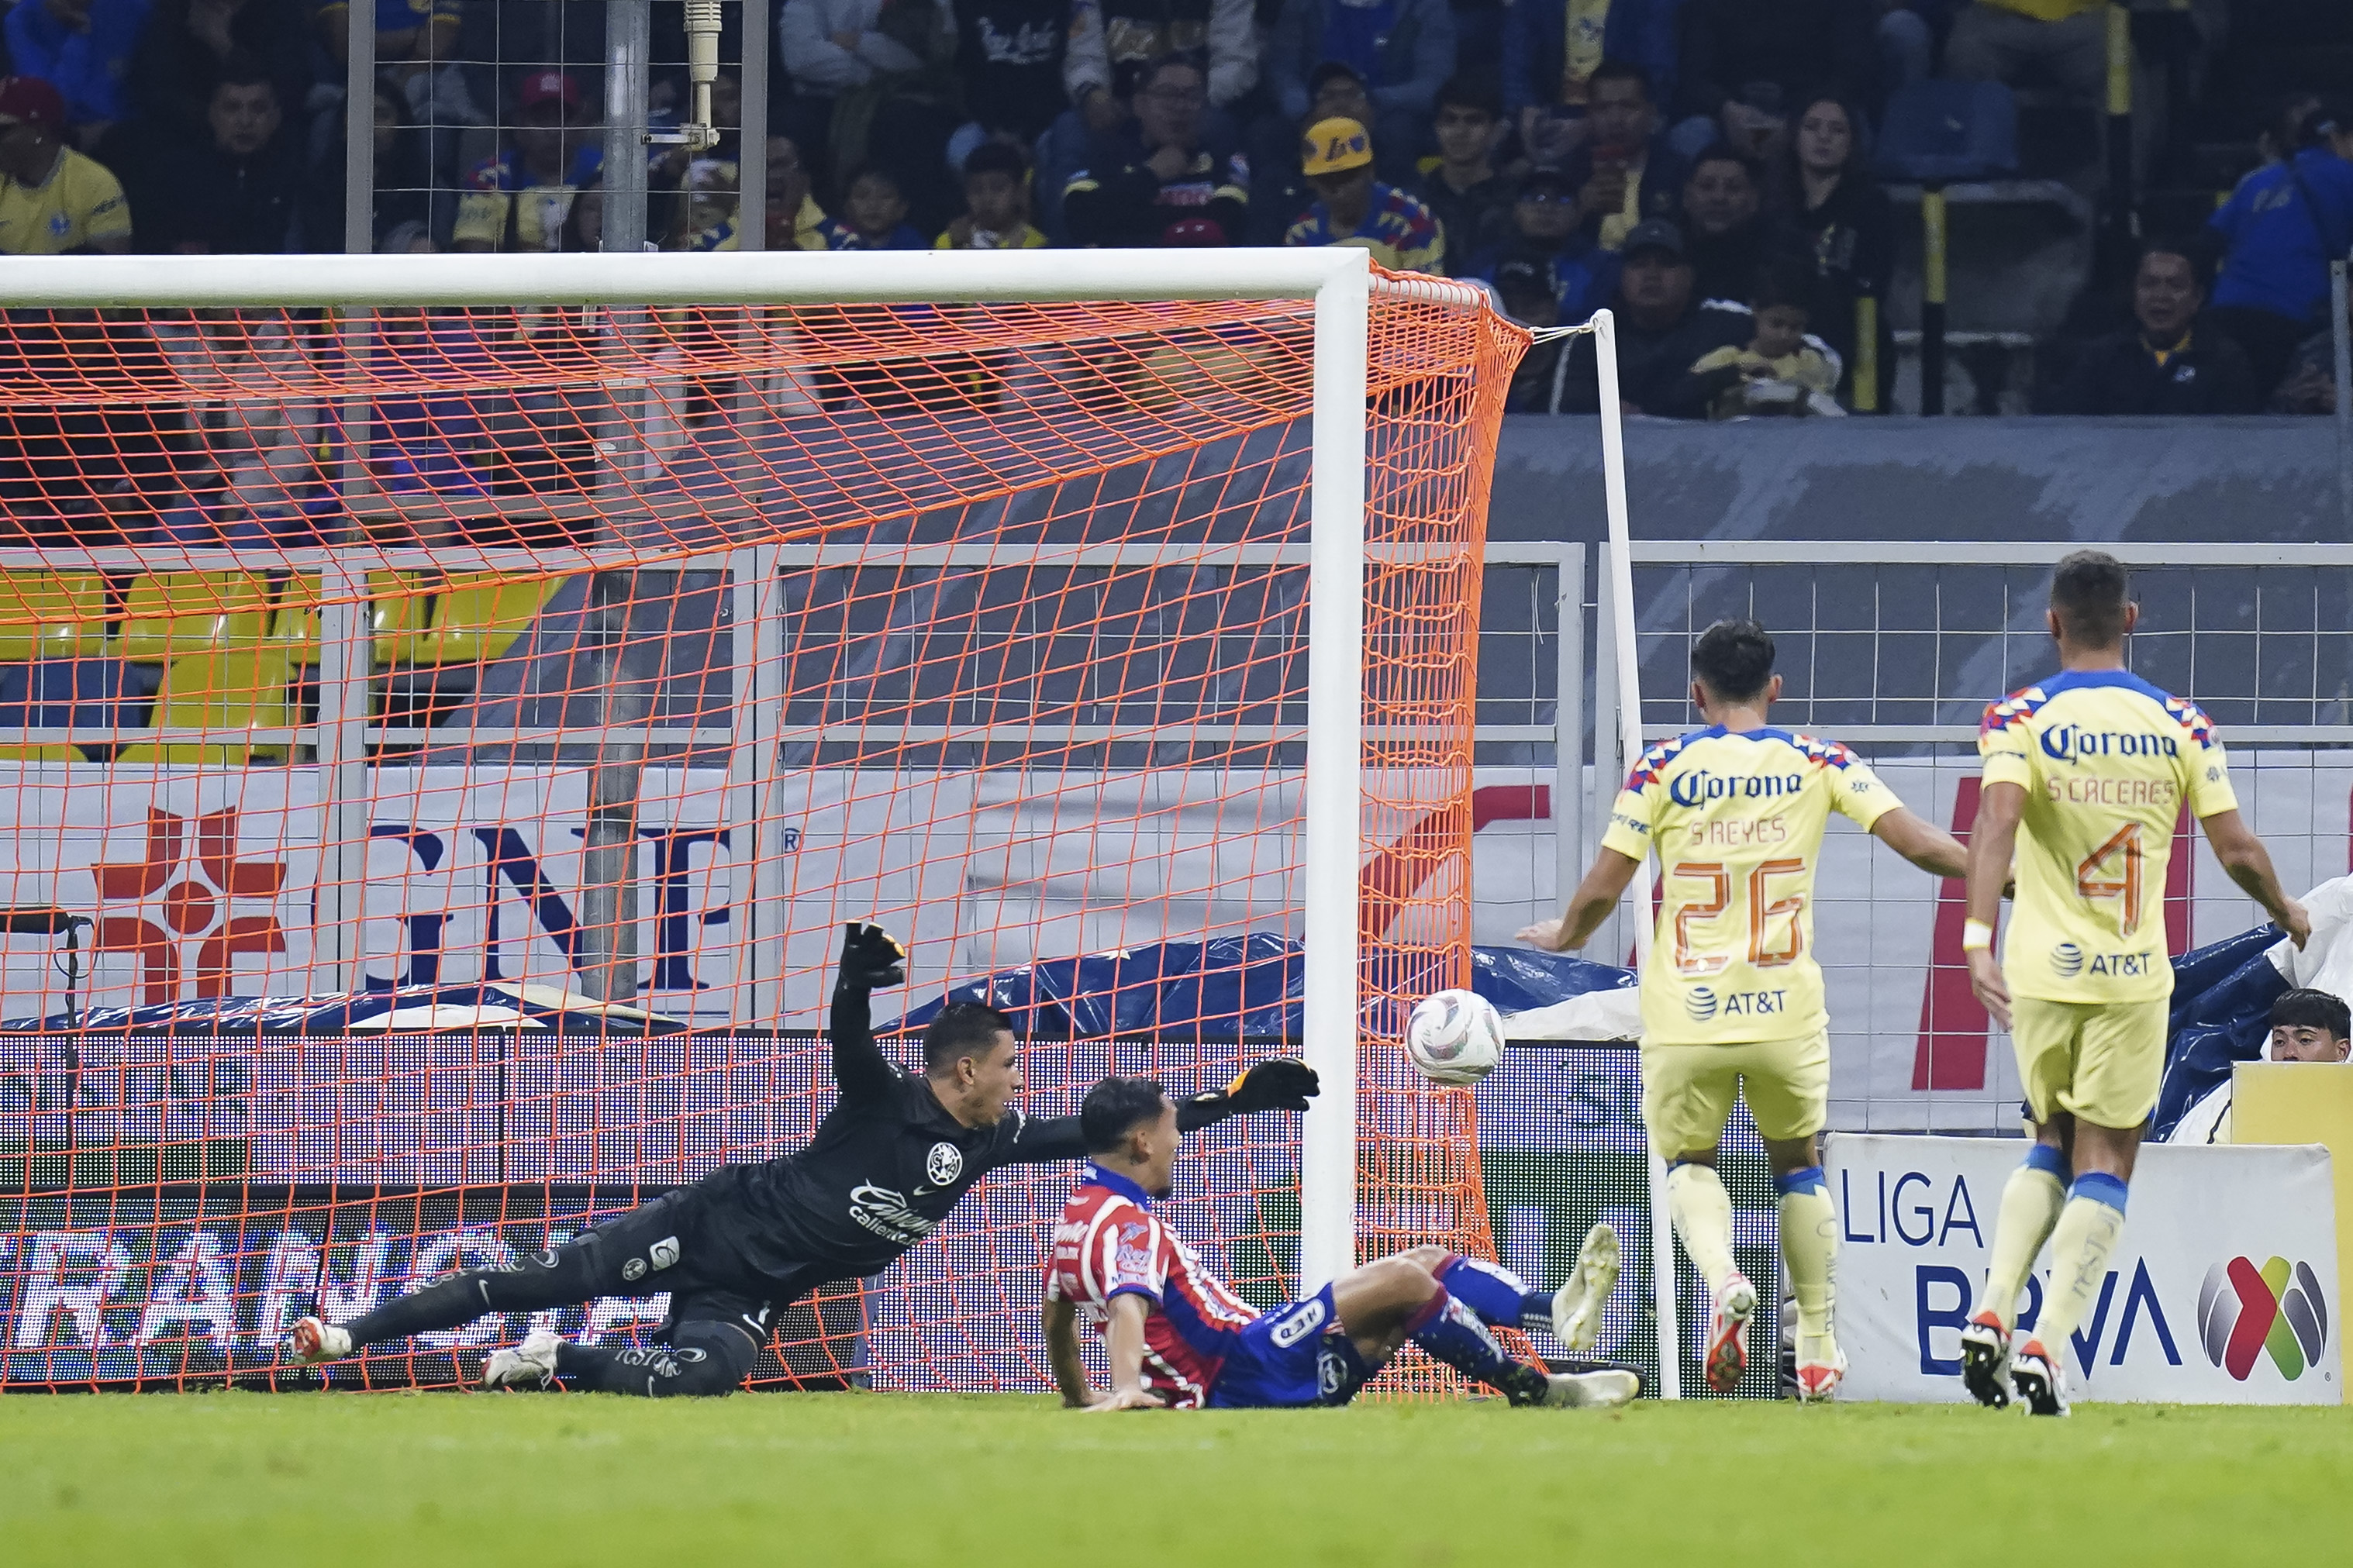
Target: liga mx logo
(2278,1309)
(1700,1003)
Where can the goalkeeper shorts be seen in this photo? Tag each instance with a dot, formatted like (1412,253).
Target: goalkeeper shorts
(1688,1091)
(2102,1062)
(1294,1355)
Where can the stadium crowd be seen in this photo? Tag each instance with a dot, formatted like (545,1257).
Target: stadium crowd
(1705,168)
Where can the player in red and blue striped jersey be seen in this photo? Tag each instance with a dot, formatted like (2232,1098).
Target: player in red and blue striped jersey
(1177,1336)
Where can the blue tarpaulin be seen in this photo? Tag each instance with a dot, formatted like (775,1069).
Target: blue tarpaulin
(416,1009)
(2223,995)
(1237,985)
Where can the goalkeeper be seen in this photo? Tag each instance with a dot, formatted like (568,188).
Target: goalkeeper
(887,1165)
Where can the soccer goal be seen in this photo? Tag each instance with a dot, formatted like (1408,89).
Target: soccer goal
(451,708)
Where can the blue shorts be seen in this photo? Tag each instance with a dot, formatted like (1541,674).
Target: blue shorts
(1295,1355)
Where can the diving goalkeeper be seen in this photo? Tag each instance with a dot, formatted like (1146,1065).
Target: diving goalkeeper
(887,1165)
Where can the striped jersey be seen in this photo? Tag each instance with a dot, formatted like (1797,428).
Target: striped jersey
(1109,1244)
(2107,761)
(1401,232)
(1736,819)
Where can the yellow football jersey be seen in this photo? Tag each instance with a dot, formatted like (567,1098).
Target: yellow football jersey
(2106,761)
(1737,819)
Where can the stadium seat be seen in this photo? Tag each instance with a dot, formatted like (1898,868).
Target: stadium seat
(175,615)
(479,616)
(399,607)
(51,615)
(1941,132)
(235,688)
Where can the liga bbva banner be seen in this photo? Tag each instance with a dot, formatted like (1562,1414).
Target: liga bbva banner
(2223,1290)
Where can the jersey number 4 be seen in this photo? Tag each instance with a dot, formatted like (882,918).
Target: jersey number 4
(1763,911)
(2093,881)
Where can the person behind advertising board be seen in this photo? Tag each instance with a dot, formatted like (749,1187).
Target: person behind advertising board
(2086,774)
(2307,1025)
(1732,998)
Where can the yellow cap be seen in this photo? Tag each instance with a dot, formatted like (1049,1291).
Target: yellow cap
(1334,147)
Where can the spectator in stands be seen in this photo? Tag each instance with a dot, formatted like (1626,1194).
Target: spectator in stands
(1472,202)
(1279,189)
(1842,222)
(2061,43)
(877,85)
(1549,57)
(2307,1025)
(236,193)
(1531,295)
(83,48)
(2282,225)
(996,204)
(411,35)
(1142,182)
(1114,41)
(1543,228)
(186,44)
(1623,169)
(1352,208)
(1747,65)
(1907,33)
(1403,51)
(404,178)
(1010,55)
(584,220)
(516,200)
(2168,361)
(53,201)
(873,217)
(1661,329)
(95,472)
(795,221)
(1780,370)
(2311,384)
(1724,226)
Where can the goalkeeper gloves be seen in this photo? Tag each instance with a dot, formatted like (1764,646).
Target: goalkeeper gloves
(871,958)
(1282,1084)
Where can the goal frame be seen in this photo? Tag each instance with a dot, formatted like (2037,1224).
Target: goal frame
(1339,282)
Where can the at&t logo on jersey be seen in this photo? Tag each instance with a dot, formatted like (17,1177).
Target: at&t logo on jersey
(2067,961)
(1702,1003)
(2278,1310)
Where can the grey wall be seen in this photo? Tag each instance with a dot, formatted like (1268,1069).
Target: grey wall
(1954,478)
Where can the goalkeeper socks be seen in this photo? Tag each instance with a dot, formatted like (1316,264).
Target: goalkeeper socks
(1809,1245)
(1453,1333)
(1701,1211)
(1501,1298)
(2030,1202)
(2089,1227)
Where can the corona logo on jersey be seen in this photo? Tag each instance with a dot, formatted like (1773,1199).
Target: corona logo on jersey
(2279,1309)
(185,889)
(1699,786)
(2066,744)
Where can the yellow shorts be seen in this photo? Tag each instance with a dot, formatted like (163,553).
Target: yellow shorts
(1688,1091)
(2098,1060)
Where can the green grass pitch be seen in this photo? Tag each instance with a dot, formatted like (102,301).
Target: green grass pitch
(427,1481)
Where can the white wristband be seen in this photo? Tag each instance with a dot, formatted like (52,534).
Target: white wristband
(1976,936)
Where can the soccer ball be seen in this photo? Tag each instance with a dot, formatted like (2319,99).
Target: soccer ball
(1455,1037)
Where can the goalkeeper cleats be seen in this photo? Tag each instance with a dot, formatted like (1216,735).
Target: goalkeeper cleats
(1605,1389)
(1985,1360)
(314,1340)
(2042,1385)
(1728,1339)
(1819,1373)
(531,1365)
(1576,1306)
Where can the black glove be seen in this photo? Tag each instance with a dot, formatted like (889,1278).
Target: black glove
(871,958)
(1282,1084)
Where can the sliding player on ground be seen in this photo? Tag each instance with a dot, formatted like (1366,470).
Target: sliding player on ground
(1177,1336)
(890,1159)
(1732,998)
(2086,776)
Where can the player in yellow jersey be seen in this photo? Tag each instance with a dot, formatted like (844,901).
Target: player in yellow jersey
(2086,776)
(1732,998)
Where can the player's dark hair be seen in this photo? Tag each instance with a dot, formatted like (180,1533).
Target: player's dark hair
(1733,659)
(2196,252)
(1620,71)
(2089,591)
(1472,89)
(1725,152)
(961,1029)
(997,158)
(2304,1008)
(1113,1109)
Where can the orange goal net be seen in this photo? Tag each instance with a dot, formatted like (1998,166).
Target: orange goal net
(441,742)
